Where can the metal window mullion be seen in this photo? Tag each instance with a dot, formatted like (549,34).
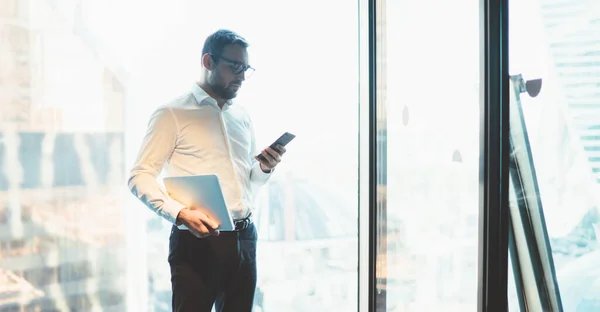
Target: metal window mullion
(372,154)
(494,156)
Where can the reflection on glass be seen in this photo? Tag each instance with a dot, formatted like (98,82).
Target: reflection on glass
(559,44)
(78,77)
(61,167)
(428,156)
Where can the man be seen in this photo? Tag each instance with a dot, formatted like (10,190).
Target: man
(203,132)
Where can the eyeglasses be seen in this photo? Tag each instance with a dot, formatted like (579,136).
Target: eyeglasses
(236,67)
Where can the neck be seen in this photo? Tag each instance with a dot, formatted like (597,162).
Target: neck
(220,101)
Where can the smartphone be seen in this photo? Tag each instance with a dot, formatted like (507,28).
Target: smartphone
(283,140)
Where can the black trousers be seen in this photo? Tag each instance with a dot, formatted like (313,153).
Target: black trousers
(219,270)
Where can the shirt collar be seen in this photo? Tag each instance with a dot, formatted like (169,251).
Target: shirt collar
(204,99)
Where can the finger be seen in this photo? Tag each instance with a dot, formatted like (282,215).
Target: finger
(214,232)
(202,230)
(269,158)
(208,222)
(264,164)
(274,154)
(262,159)
(280,149)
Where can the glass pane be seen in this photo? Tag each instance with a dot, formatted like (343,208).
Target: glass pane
(428,155)
(558,42)
(62,216)
(78,82)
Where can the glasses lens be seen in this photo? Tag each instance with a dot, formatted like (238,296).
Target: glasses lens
(236,68)
(249,72)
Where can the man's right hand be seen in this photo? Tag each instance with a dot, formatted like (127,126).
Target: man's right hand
(198,223)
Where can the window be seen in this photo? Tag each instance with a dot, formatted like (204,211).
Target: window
(305,83)
(78,104)
(78,81)
(61,161)
(560,141)
(428,159)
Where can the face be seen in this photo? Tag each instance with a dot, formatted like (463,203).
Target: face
(222,77)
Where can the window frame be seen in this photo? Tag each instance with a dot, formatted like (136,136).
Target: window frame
(531,252)
(494,157)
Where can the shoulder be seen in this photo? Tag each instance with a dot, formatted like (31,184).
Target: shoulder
(169,114)
(176,107)
(181,103)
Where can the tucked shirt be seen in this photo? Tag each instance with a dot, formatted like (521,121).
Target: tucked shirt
(193,136)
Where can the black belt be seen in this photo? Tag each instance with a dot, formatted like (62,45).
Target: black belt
(242,224)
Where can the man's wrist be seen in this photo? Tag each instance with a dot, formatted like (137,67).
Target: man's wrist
(265,170)
(180,217)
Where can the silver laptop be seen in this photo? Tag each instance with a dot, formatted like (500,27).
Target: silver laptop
(201,192)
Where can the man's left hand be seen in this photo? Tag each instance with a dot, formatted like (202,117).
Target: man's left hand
(272,157)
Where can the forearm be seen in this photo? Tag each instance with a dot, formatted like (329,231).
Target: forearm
(146,188)
(157,146)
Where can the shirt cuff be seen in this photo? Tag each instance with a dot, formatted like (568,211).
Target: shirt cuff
(258,175)
(171,210)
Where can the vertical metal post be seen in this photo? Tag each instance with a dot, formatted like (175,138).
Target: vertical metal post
(494,157)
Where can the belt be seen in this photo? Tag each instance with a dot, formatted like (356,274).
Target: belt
(242,224)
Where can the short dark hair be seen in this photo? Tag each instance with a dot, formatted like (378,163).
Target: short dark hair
(216,42)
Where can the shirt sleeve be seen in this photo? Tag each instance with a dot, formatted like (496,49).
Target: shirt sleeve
(257,176)
(157,146)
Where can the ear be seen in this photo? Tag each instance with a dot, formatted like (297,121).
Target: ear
(207,61)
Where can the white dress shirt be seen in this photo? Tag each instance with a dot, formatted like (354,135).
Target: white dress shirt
(193,136)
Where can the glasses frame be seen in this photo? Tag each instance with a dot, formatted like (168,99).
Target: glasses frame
(237,68)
